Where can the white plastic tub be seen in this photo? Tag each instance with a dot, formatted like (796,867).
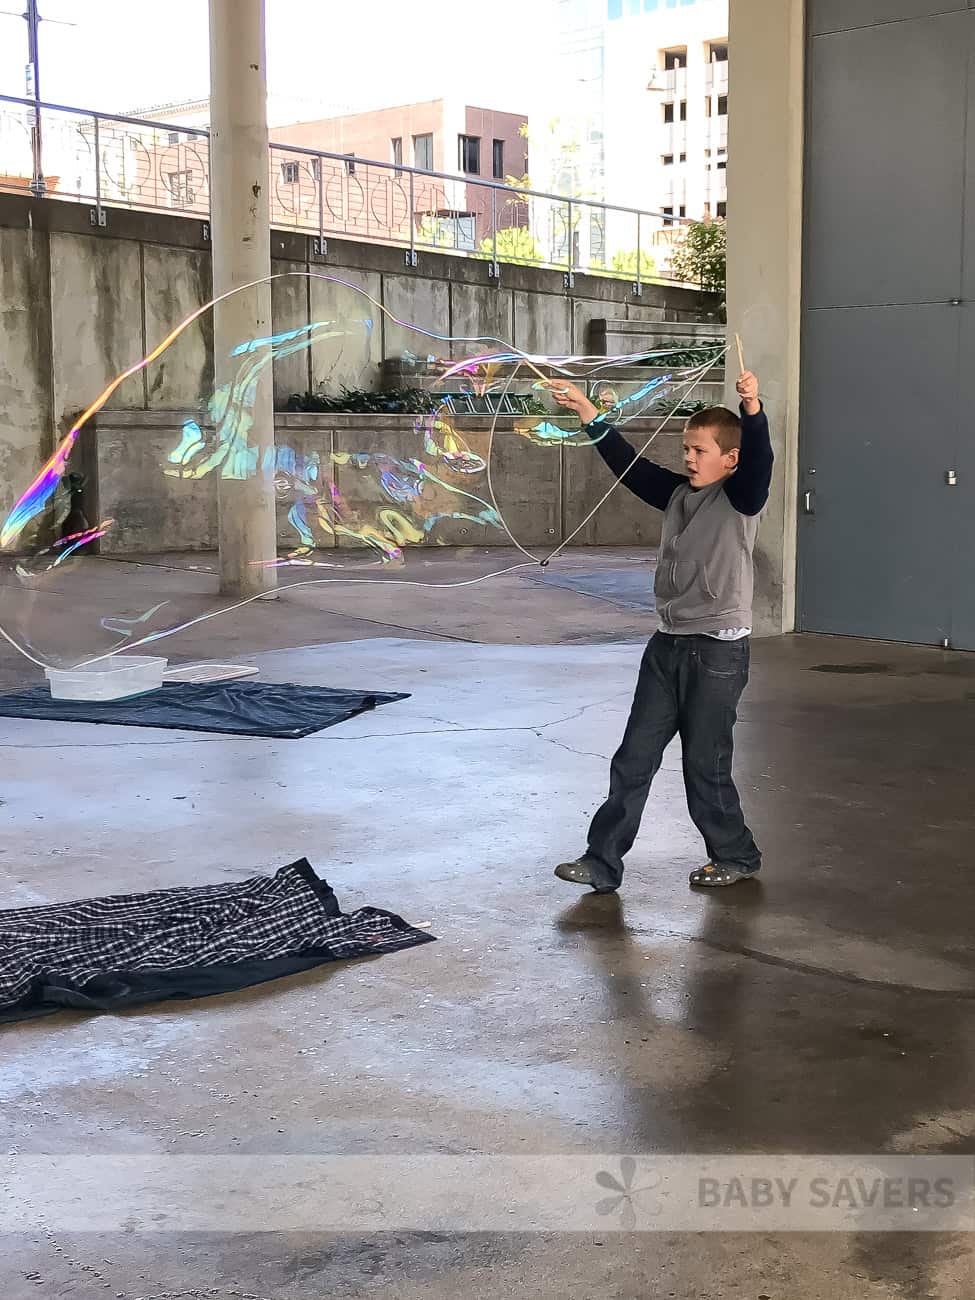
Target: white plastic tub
(110,679)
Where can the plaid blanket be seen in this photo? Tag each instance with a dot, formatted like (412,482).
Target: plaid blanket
(100,954)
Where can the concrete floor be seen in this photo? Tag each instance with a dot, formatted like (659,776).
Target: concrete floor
(827,1009)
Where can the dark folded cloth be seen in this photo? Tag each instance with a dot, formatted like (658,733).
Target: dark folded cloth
(101,954)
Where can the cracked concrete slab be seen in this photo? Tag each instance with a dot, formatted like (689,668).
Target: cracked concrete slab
(826,1008)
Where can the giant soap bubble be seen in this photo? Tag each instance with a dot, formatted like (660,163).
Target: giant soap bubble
(356,500)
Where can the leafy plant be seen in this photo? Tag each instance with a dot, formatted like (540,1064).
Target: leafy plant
(408,401)
(679,407)
(515,244)
(686,357)
(625,264)
(700,256)
(358,401)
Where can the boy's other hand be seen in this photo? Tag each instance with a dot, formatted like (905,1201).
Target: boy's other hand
(572,398)
(747,387)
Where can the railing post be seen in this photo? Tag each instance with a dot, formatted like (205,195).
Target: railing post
(638,287)
(569,278)
(38,186)
(411,255)
(322,246)
(494,272)
(98,212)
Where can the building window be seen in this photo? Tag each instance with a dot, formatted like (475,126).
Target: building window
(722,106)
(668,160)
(497,159)
(682,210)
(452,229)
(718,53)
(683,110)
(668,216)
(469,154)
(722,210)
(674,59)
(397,149)
(173,137)
(707,211)
(316,169)
(423,152)
(682,158)
(180,190)
(651,6)
(615,9)
(290,173)
(722,166)
(668,113)
(350,164)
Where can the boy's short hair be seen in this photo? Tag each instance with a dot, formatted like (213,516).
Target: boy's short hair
(724,425)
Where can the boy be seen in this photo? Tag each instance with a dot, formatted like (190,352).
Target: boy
(695,668)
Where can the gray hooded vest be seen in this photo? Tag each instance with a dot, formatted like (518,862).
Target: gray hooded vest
(704,581)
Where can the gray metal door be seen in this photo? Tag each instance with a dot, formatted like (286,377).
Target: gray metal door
(888,381)
(963,604)
(962,631)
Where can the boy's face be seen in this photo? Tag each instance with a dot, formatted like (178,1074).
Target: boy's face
(704,460)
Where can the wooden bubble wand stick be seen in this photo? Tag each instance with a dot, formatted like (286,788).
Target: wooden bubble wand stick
(741,354)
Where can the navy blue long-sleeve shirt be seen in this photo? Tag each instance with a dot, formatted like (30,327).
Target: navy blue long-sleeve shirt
(747,488)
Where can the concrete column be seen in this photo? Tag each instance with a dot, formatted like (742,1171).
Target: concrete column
(765,149)
(240,208)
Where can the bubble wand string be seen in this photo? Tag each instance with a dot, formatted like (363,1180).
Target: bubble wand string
(690,383)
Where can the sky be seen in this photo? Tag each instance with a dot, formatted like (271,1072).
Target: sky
(324,56)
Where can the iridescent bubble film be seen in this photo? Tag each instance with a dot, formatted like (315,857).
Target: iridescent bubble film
(355,498)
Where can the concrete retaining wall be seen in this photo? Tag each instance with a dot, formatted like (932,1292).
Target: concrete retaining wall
(544,492)
(79,303)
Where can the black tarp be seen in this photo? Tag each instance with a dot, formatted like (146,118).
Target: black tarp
(282,710)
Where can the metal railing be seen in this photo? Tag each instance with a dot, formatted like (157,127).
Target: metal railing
(111,161)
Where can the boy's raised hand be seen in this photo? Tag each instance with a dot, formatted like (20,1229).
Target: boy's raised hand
(573,398)
(747,387)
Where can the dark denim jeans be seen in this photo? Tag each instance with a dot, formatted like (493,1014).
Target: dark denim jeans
(689,685)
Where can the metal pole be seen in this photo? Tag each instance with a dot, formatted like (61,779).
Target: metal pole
(239,180)
(494,230)
(639,273)
(37,185)
(568,279)
(321,204)
(99,218)
(411,256)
